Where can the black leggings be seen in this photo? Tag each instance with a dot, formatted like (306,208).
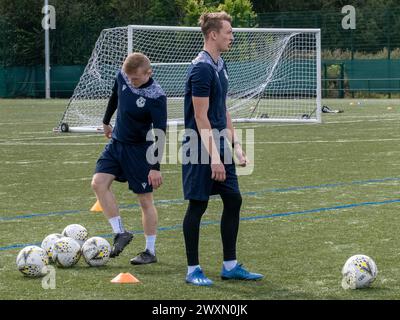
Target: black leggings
(229,226)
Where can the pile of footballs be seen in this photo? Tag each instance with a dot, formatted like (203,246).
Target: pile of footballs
(63,250)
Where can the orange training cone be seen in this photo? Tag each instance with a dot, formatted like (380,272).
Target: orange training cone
(96,207)
(125,278)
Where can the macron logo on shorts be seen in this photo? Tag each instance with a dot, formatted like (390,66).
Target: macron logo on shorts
(144,185)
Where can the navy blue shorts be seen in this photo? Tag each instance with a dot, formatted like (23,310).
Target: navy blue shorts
(198,185)
(127,162)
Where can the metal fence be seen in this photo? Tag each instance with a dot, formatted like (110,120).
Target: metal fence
(374,30)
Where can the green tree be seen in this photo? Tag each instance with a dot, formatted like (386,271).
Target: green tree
(79,24)
(23,36)
(241,11)
(163,12)
(194,9)
(128,11)
(263,6)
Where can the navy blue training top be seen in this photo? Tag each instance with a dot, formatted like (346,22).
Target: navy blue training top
(139,110)
(205,78)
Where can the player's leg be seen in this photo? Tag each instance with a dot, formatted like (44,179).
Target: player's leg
(101,184)
(232,202)
(230,226)
(149,222)
(231,269)
(136,170)
(197,183)
(191,232)
(107,170)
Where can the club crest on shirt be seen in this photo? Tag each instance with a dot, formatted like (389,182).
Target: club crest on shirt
(141,102)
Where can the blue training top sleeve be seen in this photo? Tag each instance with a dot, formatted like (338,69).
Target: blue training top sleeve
(159,118)
(202,75)
(112,104)
(159,113)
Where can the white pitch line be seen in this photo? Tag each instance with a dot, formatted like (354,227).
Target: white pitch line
(78,179)
(358,121)
(76,162)
(50,144)
(47,138)
(259,142)
(23,162)
(19,123)
(34,132)
(327,141)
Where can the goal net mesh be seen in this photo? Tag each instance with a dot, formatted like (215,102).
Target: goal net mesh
(273,74)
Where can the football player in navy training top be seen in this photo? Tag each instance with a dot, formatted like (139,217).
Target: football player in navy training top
(206,112)
(141,105)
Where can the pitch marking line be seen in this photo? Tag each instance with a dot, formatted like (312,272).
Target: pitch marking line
(269,216)
(9,143)
(181,201)
(328,141)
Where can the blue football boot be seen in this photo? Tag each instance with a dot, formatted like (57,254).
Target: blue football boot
(198,278)
(239,273)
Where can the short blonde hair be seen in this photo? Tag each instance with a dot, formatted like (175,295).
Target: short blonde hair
(134,61)
(212,21)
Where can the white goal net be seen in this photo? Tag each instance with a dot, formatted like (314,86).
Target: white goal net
(274,74)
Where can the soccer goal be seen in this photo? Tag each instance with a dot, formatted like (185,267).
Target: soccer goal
(274,74)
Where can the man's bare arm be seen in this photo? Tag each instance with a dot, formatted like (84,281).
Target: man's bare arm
(201,105)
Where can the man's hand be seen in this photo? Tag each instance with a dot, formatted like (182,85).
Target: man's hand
(242,158)
(107,130)
(155,178)
(218,170)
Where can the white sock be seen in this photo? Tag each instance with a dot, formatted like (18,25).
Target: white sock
(229,265)
(192,268)
(116,224)
(151,244)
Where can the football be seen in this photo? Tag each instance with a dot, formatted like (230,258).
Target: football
(77,232)
(96,251)
(48,243)
(32,261)
(66,252)
(358,272)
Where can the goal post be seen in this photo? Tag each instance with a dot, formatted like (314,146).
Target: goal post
(274,74)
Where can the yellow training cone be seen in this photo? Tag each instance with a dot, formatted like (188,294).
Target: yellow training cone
(96,207)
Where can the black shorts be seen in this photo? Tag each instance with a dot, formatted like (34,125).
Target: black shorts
(127,162)
(198,185)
